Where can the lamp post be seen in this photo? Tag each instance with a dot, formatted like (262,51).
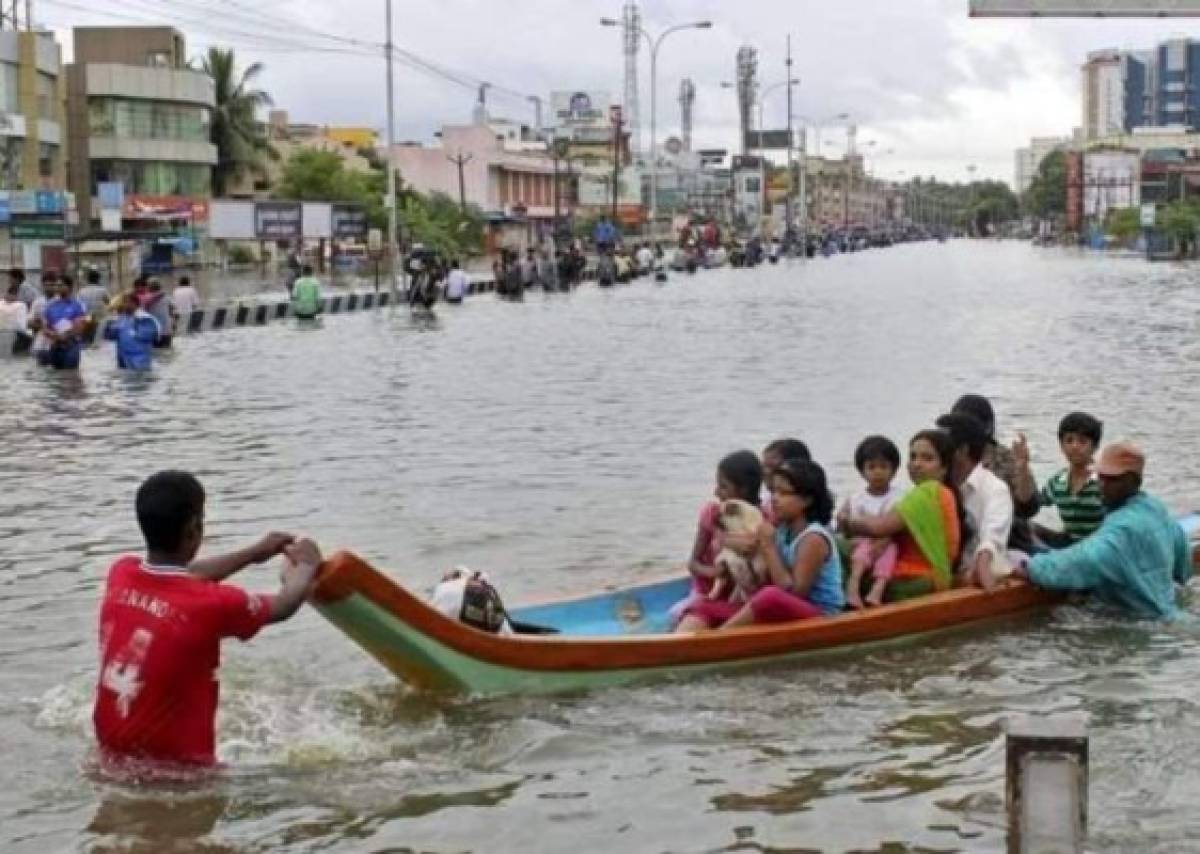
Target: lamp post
(655,43)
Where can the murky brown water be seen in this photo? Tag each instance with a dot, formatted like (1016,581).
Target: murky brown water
(566,443)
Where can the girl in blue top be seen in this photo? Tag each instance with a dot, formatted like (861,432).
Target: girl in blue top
(803,565)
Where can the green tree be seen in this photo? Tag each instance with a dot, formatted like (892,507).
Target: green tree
(1180,220)
(322,176)
(242,143)
(1124,224)
(438,222)
(1047,195)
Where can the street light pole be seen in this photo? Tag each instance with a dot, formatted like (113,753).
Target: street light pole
(393,239)
(655,43)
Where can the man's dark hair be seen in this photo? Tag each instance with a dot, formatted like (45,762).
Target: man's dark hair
(1082,424)
(876,448)
(166,502)
(17,275)
(185,282)
(306,270)
(788,449)
(92,277)
(979,408)
(965,432)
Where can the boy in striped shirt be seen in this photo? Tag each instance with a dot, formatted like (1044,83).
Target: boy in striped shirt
(1074,491)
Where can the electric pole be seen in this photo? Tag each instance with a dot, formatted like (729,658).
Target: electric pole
(460,161)
(393,238)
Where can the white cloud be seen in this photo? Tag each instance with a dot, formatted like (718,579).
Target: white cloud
(919,76)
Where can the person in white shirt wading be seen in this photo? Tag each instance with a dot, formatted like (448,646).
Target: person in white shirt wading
(986,500)
(456,284)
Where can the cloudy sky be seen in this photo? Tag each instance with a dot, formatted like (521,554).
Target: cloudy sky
(938,90)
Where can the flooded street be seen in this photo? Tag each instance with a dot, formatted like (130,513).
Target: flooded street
(565,444)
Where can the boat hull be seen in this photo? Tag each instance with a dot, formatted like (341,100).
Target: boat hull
(627,644)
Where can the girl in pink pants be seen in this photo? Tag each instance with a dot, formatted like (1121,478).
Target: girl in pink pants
(877,459)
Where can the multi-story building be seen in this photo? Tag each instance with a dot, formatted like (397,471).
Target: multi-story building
(1123,90)
(1104,102)
(840,192)
(139,119)
(32,124)
(355,147)
(1029,159)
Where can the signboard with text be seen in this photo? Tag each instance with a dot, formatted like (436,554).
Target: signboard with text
(575,108)
(38,229)
(1085,8)
(763,139)
(278,221)
(349,221)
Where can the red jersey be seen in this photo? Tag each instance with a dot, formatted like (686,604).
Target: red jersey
(160,640)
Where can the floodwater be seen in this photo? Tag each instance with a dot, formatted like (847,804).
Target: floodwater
(564,444)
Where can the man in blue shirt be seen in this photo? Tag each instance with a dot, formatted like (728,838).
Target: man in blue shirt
(135,331)
(65,320)
(1135,558)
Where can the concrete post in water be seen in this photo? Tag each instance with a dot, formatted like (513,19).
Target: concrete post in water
(1046,785)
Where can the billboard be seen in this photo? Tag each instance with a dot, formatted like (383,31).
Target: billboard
(277,220)
(764,139)
(575,108)
(1085,8)
(349,221)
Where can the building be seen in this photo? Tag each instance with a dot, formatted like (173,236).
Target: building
(1111,181)
(1104,101)
(139,149)
(1123,90)
(512,180)
(1029,159)
(355,147)
(32,122)
(840,192)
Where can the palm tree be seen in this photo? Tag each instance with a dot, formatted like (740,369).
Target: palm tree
(241,141)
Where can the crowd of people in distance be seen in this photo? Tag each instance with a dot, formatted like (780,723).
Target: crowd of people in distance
(57,324)
(966,520)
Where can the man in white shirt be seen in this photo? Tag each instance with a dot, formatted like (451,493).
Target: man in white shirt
(14,322)
(185,299)
(986,499)
(456,283)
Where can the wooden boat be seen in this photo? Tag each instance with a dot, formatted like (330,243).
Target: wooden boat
(614,637)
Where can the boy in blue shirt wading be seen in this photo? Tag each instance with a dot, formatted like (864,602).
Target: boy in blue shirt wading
(135,332)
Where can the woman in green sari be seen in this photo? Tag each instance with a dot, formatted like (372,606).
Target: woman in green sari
(926,523)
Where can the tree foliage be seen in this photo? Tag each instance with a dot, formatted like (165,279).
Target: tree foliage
(438,222)
(322,176)
(1047,195)
(242,143)
(1124,224)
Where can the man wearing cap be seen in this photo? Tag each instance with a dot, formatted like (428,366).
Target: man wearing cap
(1135,558)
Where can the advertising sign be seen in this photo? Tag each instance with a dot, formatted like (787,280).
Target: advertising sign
(38,229)
(774,139)
(5,208)
(1149,214)
(111,195)
(164,207)
(575,108)
(48,202)
(1085,8)
(23,202)
(349,221)
(278,220)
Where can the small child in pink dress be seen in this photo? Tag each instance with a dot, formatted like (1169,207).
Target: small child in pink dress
(877,459)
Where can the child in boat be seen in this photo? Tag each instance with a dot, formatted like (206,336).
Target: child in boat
(877,459)
(774,454)
(804,568)
(1074,490)
(162,620)
(739,475)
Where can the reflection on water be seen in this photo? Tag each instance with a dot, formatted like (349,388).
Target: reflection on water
(565,444)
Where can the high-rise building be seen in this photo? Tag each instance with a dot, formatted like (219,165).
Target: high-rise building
(1123,90)
(139,120)
(1104,102)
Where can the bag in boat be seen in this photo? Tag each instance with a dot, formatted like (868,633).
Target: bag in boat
(468,596)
